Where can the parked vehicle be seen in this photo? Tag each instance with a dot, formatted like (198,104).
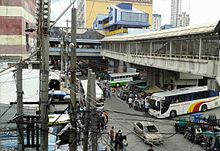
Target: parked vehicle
(183,101)
(124,95)
(99,94)
(211,141)
(122,79)
(148,132)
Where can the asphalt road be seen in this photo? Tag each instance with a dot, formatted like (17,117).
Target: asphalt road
(124,121)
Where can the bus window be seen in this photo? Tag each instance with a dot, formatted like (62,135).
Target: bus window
(182,98)
(196,96)
(191,96)
(204,94)
(213,93)
(187,97)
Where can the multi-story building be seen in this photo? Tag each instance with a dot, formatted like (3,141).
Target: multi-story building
(183,20)
(156,22)
(124,16)
(89,9)
(176,6)
(166,26)
(15,17)
(81,14)
(98,23)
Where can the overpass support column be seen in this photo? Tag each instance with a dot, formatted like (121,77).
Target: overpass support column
(151,77)
(161,77)
(200,48)
(128,65)
(170,48)
(151,47)
(120,66)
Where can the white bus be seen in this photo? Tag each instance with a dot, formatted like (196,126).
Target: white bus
(183,101)
(99,94)
(122,79)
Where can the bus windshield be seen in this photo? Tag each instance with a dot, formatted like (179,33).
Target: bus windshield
(153,104)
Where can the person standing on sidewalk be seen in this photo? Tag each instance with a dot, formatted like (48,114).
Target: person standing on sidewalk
(130,100)
(112,135)
(151,148)
(146,106)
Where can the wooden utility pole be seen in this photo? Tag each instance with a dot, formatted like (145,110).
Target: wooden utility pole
(73,91)
(20,108)
(44,34)
(87,117)
(94,130)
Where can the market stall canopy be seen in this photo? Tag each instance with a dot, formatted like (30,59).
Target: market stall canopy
(154,89)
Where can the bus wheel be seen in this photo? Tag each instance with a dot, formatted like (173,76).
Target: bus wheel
(173,114)
(204,108)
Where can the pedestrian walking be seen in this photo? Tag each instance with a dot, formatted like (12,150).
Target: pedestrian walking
(142,103)
(146,106)
(117,140)
(106,114)
(130,100)
(120,141)
(112,135)
(125,144)
(151,148)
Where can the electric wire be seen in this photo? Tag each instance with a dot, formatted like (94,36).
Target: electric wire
(62,8)
(109,110)
(93,2)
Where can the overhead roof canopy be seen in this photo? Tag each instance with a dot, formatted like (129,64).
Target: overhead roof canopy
(212,27)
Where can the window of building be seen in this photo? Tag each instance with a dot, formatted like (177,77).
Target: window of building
(100,22)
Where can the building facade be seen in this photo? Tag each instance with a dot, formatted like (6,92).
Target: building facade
(98,23)
(156,22)
(176,6)
(15,17)
(123,16)
(166,26)
(183,20)
(81,14)
(89,9)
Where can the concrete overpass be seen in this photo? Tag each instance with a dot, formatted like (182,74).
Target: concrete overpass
(80,52)
(191,49)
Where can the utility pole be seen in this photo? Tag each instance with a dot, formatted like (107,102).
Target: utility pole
(20,107)
(66,56)
(94,130)
(87,117)
(62,55)
(73,91)
(44,35)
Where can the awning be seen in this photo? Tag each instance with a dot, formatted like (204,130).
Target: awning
(154,89)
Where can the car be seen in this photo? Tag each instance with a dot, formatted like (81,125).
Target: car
(148,132)
(99,106)
(78,72)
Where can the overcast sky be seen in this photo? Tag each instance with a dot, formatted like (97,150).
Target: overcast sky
(200,10)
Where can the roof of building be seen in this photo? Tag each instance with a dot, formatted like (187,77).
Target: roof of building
(180,91)
(212,27)
(133,10)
